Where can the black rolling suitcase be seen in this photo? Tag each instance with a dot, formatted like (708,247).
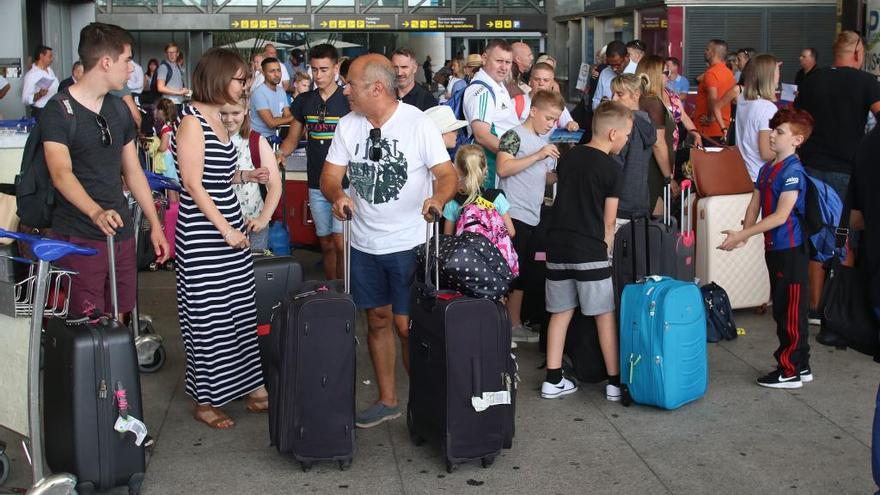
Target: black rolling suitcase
(462,388)
(312,371)
(276,277)
(647,246)
(89,367)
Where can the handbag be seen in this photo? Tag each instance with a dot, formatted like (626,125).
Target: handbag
(848,319)
(470,264)
(720,170)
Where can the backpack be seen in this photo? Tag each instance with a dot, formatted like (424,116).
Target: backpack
(152,94)
(455,102)
(719,315)
(35,193)
(823,210)
(481,217)
(254,146)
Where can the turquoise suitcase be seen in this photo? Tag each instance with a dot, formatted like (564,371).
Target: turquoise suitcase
(663,343)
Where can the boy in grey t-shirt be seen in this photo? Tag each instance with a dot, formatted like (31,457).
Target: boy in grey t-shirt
(525,166)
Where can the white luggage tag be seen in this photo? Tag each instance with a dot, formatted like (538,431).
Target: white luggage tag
(126,423)
(500,398)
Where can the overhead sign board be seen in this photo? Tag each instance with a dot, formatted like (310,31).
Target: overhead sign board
(387,22)
(438,22)
(355,22)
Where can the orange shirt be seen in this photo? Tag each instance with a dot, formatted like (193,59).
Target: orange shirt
(721,78)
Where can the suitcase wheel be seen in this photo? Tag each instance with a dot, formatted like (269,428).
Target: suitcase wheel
(134,484)
(416,439)
(306,466)
(625,398)
(487,461)
(156,363)
(450,467)
(4,467)
(85,488)
(343,465)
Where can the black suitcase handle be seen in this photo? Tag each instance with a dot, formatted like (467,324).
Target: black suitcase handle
(435,226)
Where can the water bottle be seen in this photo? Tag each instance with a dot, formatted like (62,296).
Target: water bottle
(279,239)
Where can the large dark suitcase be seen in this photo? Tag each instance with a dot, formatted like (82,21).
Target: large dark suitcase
(463,378)
(311,377)
(276,278)
(582,356)
(86,365)
(647,246)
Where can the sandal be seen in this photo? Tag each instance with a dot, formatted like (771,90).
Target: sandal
(221,420)
(257,404)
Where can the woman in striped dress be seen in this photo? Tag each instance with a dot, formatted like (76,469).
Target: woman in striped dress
(215,275)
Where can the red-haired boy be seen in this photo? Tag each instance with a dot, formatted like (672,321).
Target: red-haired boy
(780,193)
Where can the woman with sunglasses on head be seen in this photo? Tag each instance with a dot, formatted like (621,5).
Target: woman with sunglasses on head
(215,272)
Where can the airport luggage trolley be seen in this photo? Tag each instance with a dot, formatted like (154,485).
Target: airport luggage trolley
(20,338)
(149,344)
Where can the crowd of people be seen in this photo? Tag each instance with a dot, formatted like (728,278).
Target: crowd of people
(380,145)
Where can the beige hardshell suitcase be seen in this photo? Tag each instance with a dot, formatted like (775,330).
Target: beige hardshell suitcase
(741,272)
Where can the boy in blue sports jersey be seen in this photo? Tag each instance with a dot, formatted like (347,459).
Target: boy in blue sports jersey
(780,194)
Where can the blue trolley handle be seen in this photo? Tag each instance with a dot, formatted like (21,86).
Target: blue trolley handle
(48,249)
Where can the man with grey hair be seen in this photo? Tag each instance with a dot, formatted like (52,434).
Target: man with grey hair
(391,152)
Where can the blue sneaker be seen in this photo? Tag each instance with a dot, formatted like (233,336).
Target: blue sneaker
(376,414)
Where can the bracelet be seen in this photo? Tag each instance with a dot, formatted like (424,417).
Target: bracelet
(693,130)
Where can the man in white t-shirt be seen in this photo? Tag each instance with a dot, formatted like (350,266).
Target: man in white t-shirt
(269,51)
(40,83)
(487,105)
(391,152)
(136,81)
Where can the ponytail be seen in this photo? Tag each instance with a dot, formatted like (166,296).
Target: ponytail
(471,161)
(631,83)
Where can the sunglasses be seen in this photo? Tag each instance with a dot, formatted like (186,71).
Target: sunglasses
(322,113)
(106,138)
(375,144)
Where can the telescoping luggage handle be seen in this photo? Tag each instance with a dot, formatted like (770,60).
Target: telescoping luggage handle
(111,259)
(685,203)
(435,226)
(346,253)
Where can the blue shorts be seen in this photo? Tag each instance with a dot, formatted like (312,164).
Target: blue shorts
(381,279)
(322,214)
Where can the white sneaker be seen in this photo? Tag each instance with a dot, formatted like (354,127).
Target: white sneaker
(513,345)
(551,391)
(612,393)
(522,333)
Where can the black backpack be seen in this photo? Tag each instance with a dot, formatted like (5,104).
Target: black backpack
(34,191)
(719,315)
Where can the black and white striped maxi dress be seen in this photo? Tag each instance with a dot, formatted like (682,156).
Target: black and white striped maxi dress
(215,285)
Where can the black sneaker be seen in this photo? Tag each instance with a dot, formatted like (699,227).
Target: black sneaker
(775,379)
(806,374)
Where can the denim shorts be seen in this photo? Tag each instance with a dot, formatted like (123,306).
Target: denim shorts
(322,214)
(381,279)
(259,240)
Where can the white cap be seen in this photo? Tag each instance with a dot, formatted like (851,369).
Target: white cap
(444,119)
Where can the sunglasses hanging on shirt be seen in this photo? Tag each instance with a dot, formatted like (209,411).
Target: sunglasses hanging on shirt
(375,144)
(106,137)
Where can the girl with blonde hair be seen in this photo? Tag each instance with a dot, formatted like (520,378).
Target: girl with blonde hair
(755,106)
(470,161)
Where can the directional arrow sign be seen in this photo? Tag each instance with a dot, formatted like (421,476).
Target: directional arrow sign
(235,24)
(323,24)
(405,23)
(490,24)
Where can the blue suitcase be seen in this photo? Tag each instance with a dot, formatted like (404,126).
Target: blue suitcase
(663,343)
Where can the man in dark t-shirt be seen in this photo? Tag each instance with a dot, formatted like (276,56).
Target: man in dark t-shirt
(404,61)
(839,98)
(318,112)
(88,137)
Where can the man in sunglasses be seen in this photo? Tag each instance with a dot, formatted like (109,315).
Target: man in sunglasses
(318,112)
(392,153)
(88,168)
(617,62)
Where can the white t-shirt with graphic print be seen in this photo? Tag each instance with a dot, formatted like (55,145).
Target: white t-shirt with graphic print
(388,194)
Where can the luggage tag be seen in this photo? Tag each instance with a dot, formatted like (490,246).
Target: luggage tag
(125,423)
(319,290)
(490,399)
